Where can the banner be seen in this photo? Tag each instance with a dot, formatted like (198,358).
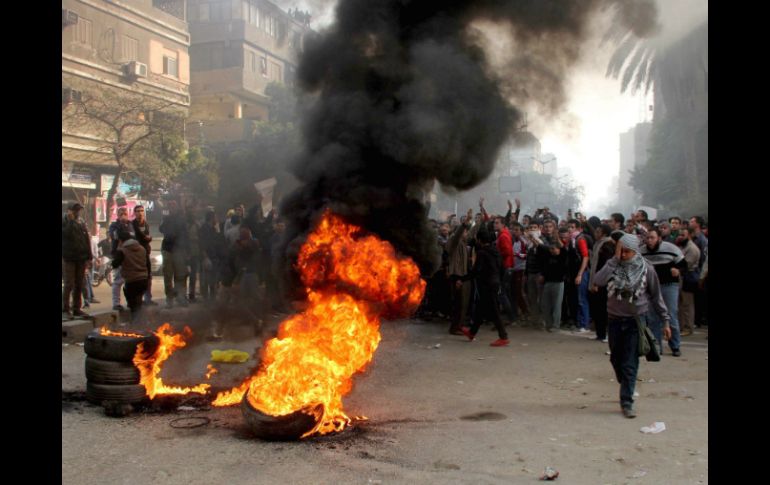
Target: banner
(265,188)
(100,204)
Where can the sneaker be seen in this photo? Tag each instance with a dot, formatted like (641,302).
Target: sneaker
(501,342)
(467,332)
(86,304)
(80,313)
(605,340)
(676,353)
(629,413)
(686,333)
(94,300)
(582,330)
(119,308)
(66,315)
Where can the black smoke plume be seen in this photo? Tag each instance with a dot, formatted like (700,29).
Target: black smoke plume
(403,96)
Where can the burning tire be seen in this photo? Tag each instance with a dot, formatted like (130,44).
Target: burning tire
(118,348)
(109,372)
(127,393)
(279,428)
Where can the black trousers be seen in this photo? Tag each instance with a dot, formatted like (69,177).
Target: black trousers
(488,308)
(597,305)
(134,292)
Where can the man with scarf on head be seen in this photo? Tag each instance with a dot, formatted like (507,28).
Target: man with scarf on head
(632,285)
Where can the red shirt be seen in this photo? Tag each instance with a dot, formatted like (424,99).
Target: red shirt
(582,247)
(505,247)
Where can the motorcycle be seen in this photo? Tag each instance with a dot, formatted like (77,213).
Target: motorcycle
(102,271)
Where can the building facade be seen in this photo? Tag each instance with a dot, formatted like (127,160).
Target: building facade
(135,48)
(634,144)
(238,48)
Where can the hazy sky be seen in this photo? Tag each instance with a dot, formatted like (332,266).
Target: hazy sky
(586,136)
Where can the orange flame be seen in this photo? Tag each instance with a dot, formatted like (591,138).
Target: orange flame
(105,331)
(211,370)
(149,367)
(352,279)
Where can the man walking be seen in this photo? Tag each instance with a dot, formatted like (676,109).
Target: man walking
(604,250)
(131,257)
(669,263)
(632,287)
(76,252)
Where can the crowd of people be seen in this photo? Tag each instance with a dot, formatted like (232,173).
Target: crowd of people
(232,261)
(612,276)
(577,273)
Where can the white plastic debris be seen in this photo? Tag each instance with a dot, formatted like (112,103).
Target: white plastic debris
(636,394)
(655,428)
(437,346)
(639,474)
(79,344)
(652,381)
(185,408)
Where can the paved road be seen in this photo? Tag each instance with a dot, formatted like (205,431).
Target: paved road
(460,413)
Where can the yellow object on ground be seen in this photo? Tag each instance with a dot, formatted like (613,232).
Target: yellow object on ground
(232,356)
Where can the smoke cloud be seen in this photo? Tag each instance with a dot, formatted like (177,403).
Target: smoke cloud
(403,96)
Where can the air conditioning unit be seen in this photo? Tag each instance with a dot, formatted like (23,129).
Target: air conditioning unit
(135,69)
(68,17)
(69,95)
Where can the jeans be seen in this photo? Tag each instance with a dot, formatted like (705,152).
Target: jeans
(518,293)
(550,304)
(583,314)
(670,292)
(88,290)
(623,336)
(117,283)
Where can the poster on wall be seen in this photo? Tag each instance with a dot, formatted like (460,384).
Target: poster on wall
(128,186)
(101,208)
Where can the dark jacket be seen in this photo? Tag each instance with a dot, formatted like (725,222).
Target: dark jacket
(75,241)
(212,243)
(115,228)
(132,259)
(142,234)
(553,268)
(664,257)
(174,230)
(486,270)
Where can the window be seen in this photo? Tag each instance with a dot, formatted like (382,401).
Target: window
(85,33)
(263,66)
(203,12)
(253,61)
(220,10)
(275,72)
(170,66)
(130,49)
(253,15)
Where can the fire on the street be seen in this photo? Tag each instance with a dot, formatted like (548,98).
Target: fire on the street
(351,279)
(150,367)
(109,333)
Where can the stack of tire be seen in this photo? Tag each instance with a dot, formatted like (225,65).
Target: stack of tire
(112,376)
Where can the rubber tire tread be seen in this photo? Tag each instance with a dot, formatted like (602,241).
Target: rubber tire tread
(118,349)
(110,372)
(129,393)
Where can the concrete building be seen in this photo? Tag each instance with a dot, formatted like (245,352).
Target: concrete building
(238,48)
(124,47)
(634,144)
(520,154)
